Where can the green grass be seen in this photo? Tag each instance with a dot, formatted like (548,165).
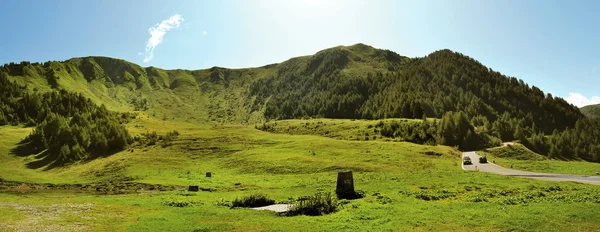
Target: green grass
(514,152)
(346,129)
(182,95)
(405,187)
(524,159)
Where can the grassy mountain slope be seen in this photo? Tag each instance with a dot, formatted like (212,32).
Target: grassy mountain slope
(363,82)
(522,158)
(68,126)
(591,111)
(407,186)
(356,81)
(401,87)
(200,96)
(352,82)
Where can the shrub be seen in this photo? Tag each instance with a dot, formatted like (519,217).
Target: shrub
(382,199)
(429,195)
(318,204)
(150,138)
(478,198)
(167,140)
(180,203)
(255,200)
(223,202)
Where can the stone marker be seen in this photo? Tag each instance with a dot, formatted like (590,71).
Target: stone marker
(345,185)
(193,188)
(209,174)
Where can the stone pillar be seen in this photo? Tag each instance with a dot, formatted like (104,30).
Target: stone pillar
(345,185)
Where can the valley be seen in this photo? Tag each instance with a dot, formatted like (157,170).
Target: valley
(407,186)
(284,131)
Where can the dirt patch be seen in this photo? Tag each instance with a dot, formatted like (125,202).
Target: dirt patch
(41,217)
(96,188)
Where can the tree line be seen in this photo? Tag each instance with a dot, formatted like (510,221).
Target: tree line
(477,105)
(68,126)
(580,142)
(357,82)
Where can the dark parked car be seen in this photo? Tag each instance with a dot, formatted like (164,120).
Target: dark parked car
(482,160)
(467,160)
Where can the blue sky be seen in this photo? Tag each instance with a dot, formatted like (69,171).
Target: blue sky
(550,44)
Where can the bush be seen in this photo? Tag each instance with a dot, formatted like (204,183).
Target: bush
(167,140)
(255,200)
(180,203)
(429,195)
(150,138)
(478,199)
(319,204)
(223,202)
(382,199)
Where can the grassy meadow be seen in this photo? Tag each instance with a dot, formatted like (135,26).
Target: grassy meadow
(406,186)
(524,159)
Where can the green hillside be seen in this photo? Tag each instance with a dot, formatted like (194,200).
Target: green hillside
(352,82)
(102,144)
(591,111)
(406,186)
(342,82)
(524,159)
(197,96)
(348,85)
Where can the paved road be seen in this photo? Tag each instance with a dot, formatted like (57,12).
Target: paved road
(493,168)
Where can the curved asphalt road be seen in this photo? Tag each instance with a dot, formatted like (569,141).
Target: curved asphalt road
(493,168)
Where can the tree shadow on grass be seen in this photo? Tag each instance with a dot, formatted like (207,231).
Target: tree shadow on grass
(44,158)
(26,148)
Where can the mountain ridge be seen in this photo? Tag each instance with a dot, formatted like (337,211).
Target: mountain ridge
(119,83)
(353,82)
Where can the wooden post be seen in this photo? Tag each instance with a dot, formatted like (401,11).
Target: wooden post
(209,174)
(345,185)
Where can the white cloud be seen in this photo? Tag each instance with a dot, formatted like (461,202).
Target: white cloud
(158,32)
(204,33)
(579,100)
